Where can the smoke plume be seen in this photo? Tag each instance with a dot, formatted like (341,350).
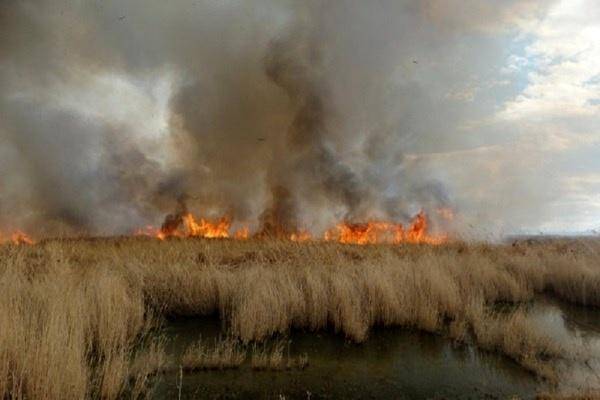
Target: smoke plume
(282,115)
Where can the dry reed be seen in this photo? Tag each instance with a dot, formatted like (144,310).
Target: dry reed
(68,333)
(224,354)
(73,311)
(230,353)
(269,358)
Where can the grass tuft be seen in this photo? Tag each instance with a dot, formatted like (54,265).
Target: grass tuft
(76,314)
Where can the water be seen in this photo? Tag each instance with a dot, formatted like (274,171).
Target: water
(392,364)
(578,330)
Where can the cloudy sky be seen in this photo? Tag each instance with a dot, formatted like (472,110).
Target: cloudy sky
(541,134)
(495,103)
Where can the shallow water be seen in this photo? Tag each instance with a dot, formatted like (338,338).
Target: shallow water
(578,330)
(565,321)
(392,363)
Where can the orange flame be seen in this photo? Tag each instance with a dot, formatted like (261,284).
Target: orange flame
(300,236)
(365,233)
(17,238)
(191,227)
(371,232)
(242,233)
(205,228)
(417,233)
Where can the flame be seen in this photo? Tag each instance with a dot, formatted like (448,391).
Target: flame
(371,232)
(205,228)
(189,226)
(365,233)
(301,236)
(242,233)
(17,238)
(417,233)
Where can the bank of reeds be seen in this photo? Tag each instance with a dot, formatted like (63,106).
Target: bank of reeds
(230,353)
(70,333)
(273,357)
(222,354)
(73,313)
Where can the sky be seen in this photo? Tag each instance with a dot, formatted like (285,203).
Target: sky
(112,110)
(547,125)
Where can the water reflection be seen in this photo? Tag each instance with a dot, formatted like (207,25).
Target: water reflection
(576,328)
(392,363)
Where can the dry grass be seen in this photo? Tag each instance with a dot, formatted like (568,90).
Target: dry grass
(223,354)
(73,312)
(264,358)
(271,357)
(68,333)
(514,336)
(230,353)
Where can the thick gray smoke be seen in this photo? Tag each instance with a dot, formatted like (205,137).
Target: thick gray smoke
(284,115)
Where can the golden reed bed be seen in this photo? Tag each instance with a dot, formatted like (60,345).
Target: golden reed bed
(73,313)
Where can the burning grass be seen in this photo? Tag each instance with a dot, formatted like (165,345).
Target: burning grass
(74,312)
(16,238)
(184,224)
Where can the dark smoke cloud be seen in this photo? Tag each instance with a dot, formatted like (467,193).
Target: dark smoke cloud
(286,114)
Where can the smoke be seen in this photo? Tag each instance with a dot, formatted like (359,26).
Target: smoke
(283,115)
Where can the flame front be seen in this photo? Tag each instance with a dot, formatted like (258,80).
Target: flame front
(418,232)
(372,232)
(242,234)
(16,238)
(365,233)
(300,236)
(205,228)
(191,227)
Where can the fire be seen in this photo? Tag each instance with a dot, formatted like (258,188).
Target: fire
(189,226)
(300,236)
(365,233)
(17,238)
(371,232)
(417,233)
(205,228)
(185,224)
(384,232)
(242,234)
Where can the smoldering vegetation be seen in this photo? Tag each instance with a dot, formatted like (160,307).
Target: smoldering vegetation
(76,313)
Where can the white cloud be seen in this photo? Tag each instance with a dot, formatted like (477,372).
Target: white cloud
(565,59)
